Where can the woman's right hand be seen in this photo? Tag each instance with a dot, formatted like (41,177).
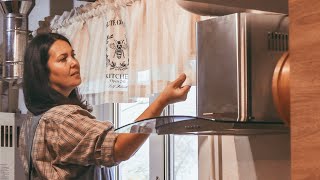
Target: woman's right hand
(174,91)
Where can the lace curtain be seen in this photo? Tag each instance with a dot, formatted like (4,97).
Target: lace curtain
(129,49)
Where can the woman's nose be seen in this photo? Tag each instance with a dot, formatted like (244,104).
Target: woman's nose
(74,62)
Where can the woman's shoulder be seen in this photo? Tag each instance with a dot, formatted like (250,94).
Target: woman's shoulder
(66,110)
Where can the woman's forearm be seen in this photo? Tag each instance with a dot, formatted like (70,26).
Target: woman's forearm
(127,144)
(155,109)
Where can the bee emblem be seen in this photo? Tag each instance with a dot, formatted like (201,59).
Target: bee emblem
(118,47)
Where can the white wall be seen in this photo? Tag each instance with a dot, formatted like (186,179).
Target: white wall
(259,157)
(44,8)
(39,12)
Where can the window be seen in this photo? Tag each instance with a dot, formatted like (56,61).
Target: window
(185,147)
(137,167)
(150,163)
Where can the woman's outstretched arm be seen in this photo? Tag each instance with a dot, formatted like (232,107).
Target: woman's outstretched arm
(127,144)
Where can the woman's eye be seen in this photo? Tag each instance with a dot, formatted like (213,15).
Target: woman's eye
(63,59)
(73,55)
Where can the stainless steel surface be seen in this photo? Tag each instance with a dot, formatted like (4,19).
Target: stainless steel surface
(236,64)
(208,9)
(278,41)
(15,35)
(13,95)
(218,68)
(225,7)
(22,7)
(201,126)
(262,63)
(9,95)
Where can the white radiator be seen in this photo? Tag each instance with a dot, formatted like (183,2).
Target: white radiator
(10,165)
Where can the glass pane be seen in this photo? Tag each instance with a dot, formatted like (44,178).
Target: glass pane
(103,112)
(185,148)
(137,167)
(171,125)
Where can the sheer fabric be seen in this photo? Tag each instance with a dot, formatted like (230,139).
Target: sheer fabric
(129,49)
(162,45)
(98,36)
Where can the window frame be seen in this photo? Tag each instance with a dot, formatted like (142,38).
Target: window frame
(161,165)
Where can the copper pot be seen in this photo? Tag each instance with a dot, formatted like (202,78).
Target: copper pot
(281,87)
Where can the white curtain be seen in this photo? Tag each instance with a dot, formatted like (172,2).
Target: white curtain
(98,36)
(129,49)
(162,45)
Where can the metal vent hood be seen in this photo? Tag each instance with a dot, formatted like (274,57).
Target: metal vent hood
(236,59)
(225,7)
(189,125)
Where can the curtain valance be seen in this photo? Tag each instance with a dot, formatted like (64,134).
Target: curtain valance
(129,49)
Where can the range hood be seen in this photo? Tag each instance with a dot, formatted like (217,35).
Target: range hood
(225,7)
(189,125)
(236,59)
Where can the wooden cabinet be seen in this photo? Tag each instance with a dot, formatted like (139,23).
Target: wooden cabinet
(305,88)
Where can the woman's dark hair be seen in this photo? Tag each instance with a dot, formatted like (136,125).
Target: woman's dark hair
(38,94)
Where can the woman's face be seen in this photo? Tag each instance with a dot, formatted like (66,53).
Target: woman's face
(64,69)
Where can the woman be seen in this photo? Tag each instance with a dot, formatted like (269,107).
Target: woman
(68,142)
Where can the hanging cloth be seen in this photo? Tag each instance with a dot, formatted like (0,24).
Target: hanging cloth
(107,60)
(162,45)
(98,36)
(161,37)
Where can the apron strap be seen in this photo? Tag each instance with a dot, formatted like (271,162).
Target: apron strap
(34,125)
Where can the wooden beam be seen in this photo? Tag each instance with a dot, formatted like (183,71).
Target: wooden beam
(305,88)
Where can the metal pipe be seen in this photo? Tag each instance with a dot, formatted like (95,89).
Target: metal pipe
(15,35)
